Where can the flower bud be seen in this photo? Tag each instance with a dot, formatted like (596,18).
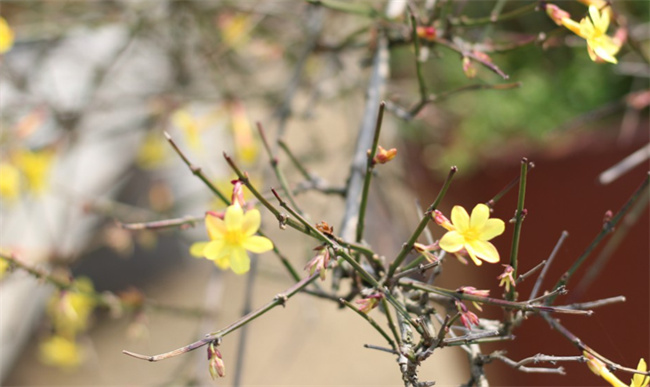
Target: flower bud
(556,13)
(383,156)
(216,366)
(426,32)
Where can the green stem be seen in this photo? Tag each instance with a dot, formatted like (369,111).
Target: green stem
(305,173)
(465,21)
(526,306)
(519,218)
(607,228)
(283,219)
(418,65)
(371,321)
(368,177)
(280,299)
(421,226)
(276,170)
(340,252)
(196,171)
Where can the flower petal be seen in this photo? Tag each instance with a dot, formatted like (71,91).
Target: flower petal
(215,226)
(196,250)
(639,380)
(223,262)
(492,228)
(484,250)
(571,25)
(480,215)
(472,254)
(460,218)
(257,244)
(239,261)
(234,218)
(452,241)
(251,223)
(214,249)
(604,54)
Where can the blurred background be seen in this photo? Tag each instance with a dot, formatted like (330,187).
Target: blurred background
(88,88)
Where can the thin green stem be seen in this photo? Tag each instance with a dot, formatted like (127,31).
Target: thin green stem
(368,176)
(421,226)
(280,299)
(424,92)
(340,252)
(391,323)
(371,321)
(493,18)
(305,173)
(607,228)
(283,219)
(527,306)
(162,224)
(196,171)
(508,187)
(273,160)
(519,218)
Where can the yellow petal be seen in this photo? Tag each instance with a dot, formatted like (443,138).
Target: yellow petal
(6,36)
(640,380)
(239,261)
(257,244)
(214,249)
(492,228)
(571,25)
(604,55)
(223,262)
(215,226)
(484,250)
(472,254)
(452,241)
(196,250)
(234,218)
(251,224)
(459,218)
(480,215)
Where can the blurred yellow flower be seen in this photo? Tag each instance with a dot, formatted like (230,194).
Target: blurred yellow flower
(35,166)
(152,151)
(59,351)
(231,237)
(235,29)
(192,126)
(245,145)
(70,311)
(593,29)
(639,380)
(4,265)
(598,367)
(472,233)
(9,181)
(6,36)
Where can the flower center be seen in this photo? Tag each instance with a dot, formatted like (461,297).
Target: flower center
(235,237)
(470,234)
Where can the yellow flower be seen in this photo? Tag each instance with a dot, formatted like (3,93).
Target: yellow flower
(6,36)
(231,237)
(60,352)
(594,30)
(245,145)
(9,181)
(472,233)
(35,166)
(153,150)
(70,311)
(4,265)
(599,368)
(192,126)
